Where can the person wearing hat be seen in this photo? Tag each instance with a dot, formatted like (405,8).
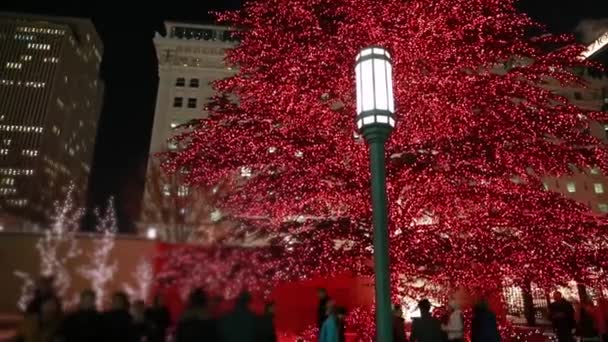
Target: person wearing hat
(426,328)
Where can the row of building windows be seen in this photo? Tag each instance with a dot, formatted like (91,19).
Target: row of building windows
(24,37)
(29,84)
(39,30)
(26,58)
(181,82)
(7,171)
(7,181)
(50,60)
(13,65)
(182,190)
(19,128)
(598,188)
(8,191)
(17,203)
(178,102)
(27,153)
(38,46)
(202,34)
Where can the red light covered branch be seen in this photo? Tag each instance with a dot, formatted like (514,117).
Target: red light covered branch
(473,140)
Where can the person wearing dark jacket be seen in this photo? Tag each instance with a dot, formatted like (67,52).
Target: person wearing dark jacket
(341,316)
(85,323)
(240,325)
(142,328)
(44,326)
(322,308)
(398,324)
(561,313)
(196,324)
(159,318)
(484,327)
(43,291)
(118,323)
(266,331)
(586,329)
(426,328)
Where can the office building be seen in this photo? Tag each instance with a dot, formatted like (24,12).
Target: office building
(190,58)
(50,101)
(587,186)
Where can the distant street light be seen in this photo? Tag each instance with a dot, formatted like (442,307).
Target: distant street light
(151,233)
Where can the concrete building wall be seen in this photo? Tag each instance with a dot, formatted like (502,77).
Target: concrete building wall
(18,252)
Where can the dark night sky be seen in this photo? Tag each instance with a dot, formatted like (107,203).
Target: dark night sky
(129,71)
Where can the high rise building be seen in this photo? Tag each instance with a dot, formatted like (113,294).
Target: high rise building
(50,101)
(190,58)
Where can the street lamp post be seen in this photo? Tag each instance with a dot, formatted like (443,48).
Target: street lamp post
(376,120)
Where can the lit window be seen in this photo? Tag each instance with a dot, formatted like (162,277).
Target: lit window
(594,171)
(178,102)
(26,58)
(571,187)
(166,190)
(191,103)
(545,186)
(603,207)
(174,124)
(7,142)
(180,82)
(50,60)
(599,188)
(194,83)
(11,65)
(172,145)
(182,191)
(3,151)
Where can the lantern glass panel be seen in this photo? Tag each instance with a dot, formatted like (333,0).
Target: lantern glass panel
(389,78)
(359,99)
(367,83)
(380,84)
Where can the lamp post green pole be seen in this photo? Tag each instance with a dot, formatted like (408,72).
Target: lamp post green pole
(376,137)
(376,120)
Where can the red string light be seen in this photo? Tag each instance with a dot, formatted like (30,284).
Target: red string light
(473,141)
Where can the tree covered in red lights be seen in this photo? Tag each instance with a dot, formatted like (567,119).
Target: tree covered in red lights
(476,134)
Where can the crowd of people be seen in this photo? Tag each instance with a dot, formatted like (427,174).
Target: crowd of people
(45,320)
(426,328)
(588,323)
(202,320)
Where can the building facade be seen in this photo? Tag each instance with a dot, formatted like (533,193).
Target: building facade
(587,186)
(190,58)
(50,102)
